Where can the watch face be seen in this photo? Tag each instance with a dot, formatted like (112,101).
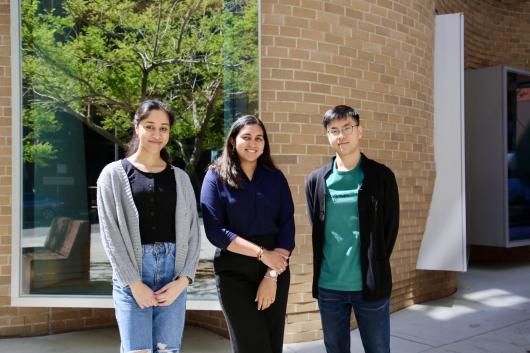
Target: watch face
(273,273)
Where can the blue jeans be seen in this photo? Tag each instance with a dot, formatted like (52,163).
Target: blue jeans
(373,319)
(156,329)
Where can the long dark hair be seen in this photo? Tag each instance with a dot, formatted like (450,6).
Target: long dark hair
(143,111)
(228,164)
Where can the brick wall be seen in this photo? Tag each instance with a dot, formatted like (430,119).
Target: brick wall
(378,57)
(5,165)
(5,156)
(211,320)
(496,31)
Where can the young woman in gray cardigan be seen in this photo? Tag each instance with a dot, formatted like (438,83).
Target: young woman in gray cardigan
(149,228)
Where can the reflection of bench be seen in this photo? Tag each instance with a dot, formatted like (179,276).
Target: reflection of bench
(64,256)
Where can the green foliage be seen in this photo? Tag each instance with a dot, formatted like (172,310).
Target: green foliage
(97,60)
(241,50)
(39,123)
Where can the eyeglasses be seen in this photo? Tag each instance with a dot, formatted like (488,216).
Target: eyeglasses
(346,130)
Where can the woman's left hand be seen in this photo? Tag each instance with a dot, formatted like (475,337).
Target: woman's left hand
(170,292)
(266,294)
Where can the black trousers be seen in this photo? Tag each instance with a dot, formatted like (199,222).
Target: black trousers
(238,277)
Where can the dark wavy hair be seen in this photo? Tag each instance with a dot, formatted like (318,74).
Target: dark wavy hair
(228,164)
(143,111)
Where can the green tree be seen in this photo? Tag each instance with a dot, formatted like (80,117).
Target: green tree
(97,60)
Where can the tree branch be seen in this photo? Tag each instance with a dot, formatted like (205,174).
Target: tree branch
(124,105)
(197,146)
(64,107)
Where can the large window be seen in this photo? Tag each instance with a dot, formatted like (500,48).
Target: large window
(84,66)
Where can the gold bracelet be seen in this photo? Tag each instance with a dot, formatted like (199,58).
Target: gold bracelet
(189,279)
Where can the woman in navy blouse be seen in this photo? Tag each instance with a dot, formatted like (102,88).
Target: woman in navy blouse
(248,215)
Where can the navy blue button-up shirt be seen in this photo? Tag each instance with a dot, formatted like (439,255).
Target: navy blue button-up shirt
(263,207)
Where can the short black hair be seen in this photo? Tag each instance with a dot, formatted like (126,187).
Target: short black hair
(340,112)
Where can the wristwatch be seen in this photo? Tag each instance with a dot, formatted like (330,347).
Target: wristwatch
(272,274)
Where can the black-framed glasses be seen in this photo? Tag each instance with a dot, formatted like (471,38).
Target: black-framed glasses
(346,130)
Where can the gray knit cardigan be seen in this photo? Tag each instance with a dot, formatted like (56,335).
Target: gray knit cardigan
(120,225)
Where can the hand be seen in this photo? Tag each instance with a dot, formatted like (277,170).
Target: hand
(143,295)
(274,259)
(266,294)
(166,295)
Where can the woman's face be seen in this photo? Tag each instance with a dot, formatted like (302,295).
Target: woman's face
(250,143)
(153,132)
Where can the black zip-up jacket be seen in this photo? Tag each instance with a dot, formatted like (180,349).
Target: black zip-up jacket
(378,203)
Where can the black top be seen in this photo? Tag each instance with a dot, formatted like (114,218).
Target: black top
(378,204)
(155,197)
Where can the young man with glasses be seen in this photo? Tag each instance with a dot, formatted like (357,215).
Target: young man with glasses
(353,206)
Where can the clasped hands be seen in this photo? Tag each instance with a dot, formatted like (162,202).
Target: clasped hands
(266,294)
(275,259)
(165,296)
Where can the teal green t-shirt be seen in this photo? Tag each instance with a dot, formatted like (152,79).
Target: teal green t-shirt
(341,265)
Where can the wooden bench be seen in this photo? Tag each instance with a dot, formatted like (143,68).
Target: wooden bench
(64,256)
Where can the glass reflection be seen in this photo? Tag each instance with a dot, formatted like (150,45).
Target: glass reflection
(86,65)
(518,131)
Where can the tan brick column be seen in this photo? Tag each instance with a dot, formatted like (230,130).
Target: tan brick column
(376,56)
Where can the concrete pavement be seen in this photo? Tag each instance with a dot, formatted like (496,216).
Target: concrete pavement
(490,313)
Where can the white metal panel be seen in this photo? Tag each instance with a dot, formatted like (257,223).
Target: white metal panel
(444,243)
(16,148)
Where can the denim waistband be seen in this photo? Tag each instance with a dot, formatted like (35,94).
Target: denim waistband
(159,248)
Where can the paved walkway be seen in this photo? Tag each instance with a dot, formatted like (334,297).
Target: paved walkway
(490,313)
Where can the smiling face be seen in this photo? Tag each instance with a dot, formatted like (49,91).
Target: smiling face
(250,143)
(153,132)
(345,144)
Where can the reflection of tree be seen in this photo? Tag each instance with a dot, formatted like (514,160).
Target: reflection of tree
(240,53)
(96,60)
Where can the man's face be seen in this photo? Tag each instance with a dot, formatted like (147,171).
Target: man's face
(344,136)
